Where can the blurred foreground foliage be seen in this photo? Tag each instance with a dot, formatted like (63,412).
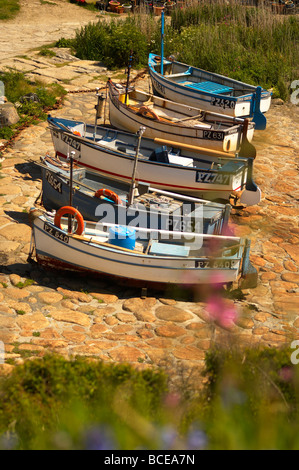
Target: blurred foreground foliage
(247,400)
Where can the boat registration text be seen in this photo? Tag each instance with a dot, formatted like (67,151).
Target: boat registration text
(212,178)
(56,233)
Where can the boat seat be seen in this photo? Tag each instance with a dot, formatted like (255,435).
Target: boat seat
(167,249)
(160,155)
(108,137)
(232,166)
(210,87)
(177,160)
(182,74)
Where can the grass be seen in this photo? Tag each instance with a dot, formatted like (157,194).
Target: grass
(16,86)
(248,401)
(249,44)
(26,283)
(9,9)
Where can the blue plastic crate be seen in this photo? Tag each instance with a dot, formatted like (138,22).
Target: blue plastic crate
(210,87)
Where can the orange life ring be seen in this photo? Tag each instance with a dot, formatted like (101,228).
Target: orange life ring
(77,133)
(72,211)
(147,112)
(110,195)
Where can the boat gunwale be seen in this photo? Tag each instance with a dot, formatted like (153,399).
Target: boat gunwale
(242,161)
(127,252)
(246,97)
(224,120)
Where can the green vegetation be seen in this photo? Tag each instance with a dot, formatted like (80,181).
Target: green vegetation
(112,42)
(26,283)
(249,401)
(16,86)
(9,9)
(246,43)
(84,4)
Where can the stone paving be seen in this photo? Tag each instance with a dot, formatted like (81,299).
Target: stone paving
(42,312)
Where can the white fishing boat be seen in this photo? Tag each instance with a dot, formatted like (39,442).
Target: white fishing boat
(196,87)
(163,164)
(130,108)
(149,258)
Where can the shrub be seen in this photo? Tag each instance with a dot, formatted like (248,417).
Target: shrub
(249,400)
(45,396)
(16,86)
(112,43)
(9,9)
(245,43)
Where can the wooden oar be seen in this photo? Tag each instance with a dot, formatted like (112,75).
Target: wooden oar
(189,118)
(216,153)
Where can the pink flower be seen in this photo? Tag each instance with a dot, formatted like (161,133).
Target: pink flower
(286,374)
(221,312)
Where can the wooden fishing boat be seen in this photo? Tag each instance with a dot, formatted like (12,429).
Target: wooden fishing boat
(162,164)
(196,87)
(143,256)
(131,108)
(99,199)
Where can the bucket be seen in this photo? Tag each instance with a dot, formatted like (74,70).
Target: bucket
(122,99)
(123,237)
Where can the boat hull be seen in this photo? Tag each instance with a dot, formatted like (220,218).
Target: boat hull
(202,180)
(148,210)
(218,137)
(177,87)
(56,249)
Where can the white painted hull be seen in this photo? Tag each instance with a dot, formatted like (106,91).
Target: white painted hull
(56,249)
(178,87)
(199,181)
(224,136)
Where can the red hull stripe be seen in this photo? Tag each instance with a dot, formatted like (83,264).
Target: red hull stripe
(150,182)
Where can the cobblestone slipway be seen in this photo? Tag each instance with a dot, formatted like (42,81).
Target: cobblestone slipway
(113,323)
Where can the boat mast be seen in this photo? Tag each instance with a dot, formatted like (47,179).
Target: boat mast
(133,184)
(128,75)
(99,108)
(71,156)
(162,40)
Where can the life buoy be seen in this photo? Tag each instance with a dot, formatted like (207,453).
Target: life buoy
(72,211)
(110,195)
(77,133)
(147,112)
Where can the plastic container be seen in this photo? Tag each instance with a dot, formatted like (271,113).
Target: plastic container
(123,237)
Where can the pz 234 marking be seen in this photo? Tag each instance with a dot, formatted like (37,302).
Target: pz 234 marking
(56,233)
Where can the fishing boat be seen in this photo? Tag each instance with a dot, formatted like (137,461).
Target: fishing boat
(163,164)
(99,199)
(130,108)
(196,87)
(145,257)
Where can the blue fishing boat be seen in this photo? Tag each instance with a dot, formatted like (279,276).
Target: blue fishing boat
(199,88)
(209,91)
(100,199)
